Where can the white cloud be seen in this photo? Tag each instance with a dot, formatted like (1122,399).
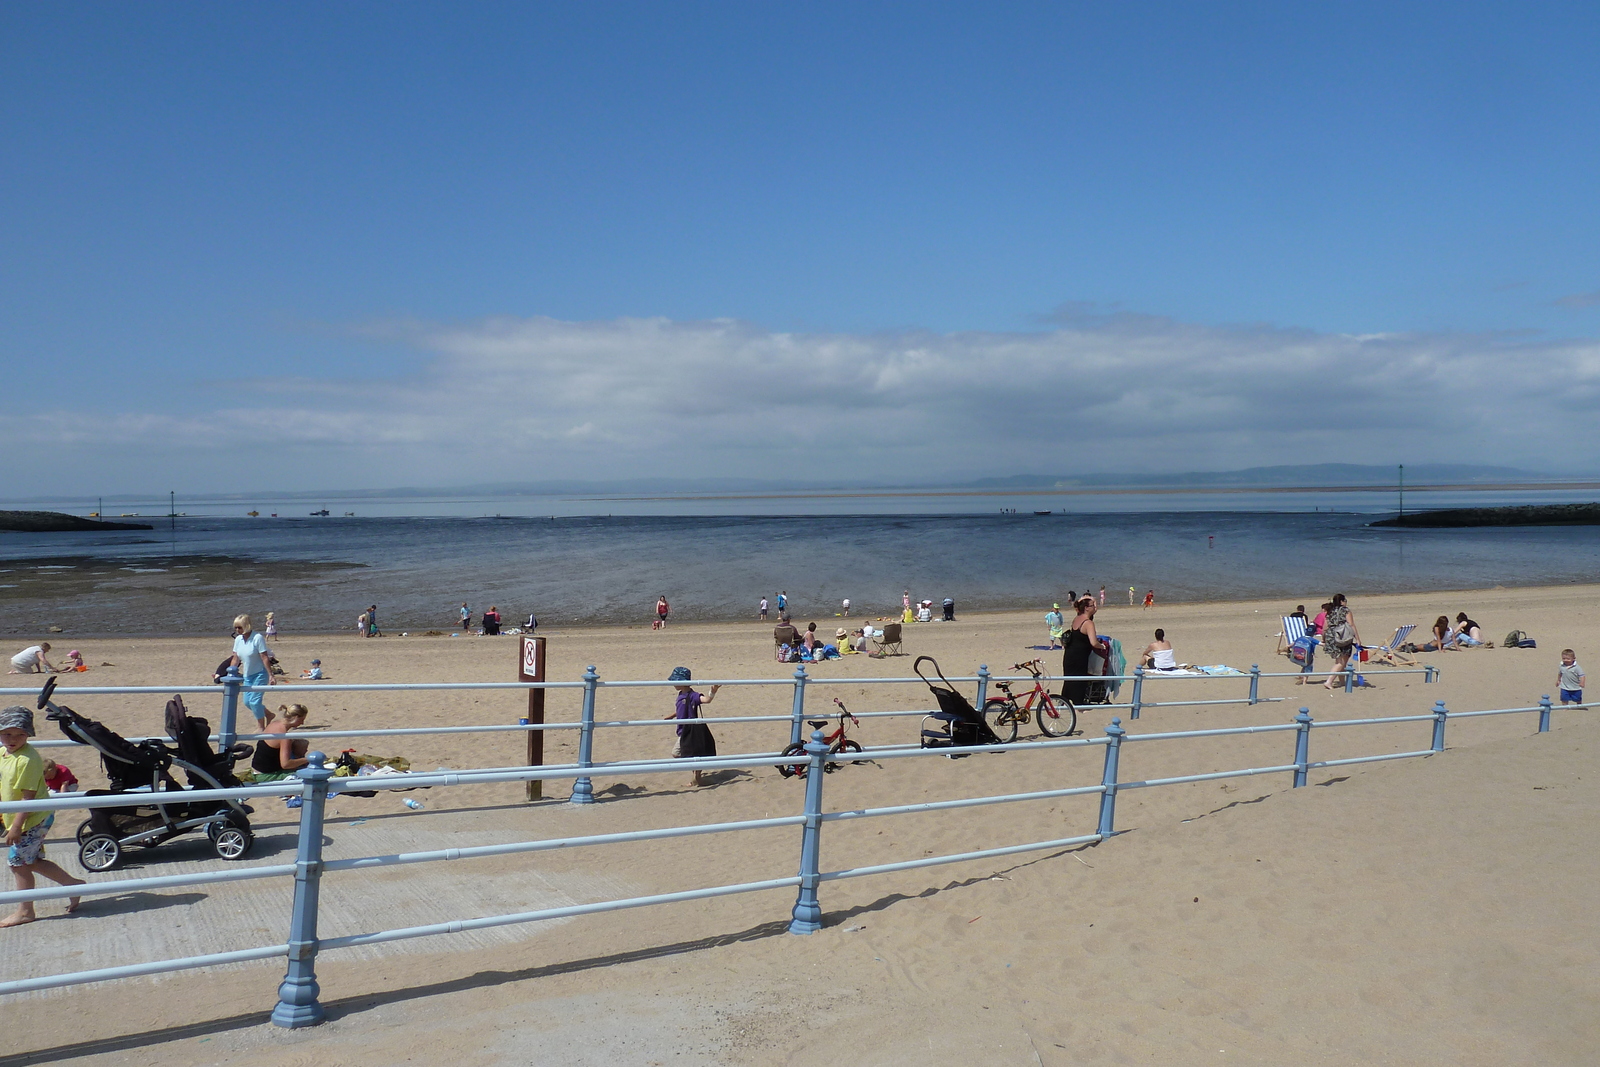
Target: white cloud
(690,399)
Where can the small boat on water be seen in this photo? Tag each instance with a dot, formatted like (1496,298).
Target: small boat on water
(253,514)
(323,513)
(1044,513)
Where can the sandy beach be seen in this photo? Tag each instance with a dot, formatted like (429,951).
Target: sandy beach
(1425,911)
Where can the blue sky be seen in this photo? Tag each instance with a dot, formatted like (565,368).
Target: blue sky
(422,244)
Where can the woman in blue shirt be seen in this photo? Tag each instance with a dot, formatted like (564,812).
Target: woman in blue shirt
(250,656)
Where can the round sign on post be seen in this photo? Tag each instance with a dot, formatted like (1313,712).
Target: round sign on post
(530,668)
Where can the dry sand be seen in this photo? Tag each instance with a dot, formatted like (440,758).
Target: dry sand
(1437,911)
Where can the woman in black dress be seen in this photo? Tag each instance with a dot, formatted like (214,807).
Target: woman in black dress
(694,737)
(1077,643)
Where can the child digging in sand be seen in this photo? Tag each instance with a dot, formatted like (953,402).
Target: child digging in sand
(22,778)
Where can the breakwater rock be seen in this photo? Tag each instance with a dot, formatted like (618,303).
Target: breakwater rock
(57,522)
(1528,515)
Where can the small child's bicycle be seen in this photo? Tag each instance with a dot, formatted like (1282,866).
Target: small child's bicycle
(836,741)
(1057,716)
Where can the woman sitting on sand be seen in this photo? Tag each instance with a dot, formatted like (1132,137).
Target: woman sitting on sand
(1158,654)
(1469,634)
(1443,641)
(279,758)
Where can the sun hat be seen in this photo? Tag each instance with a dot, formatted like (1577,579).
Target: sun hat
(841,632)
(17,717)
(74,654)
(316,663)
(679,674)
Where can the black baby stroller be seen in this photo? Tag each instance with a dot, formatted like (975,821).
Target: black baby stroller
(143,769)
(956,723)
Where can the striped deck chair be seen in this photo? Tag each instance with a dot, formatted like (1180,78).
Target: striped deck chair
(1390,653)
(1294,628)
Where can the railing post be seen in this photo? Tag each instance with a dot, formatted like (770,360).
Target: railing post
(1544,714)
(807,915)
(1302,746)
(1255,683)
(1439,716)
(583,788)
(1350,670)
(1427,673)
(1108,798)
(297,995)
(983,685)
(227,729)
(1138,692)
(799,704)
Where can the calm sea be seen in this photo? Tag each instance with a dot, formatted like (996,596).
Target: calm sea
(317,574)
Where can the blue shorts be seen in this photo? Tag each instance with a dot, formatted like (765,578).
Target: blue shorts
(1572,696)
(256,701)
(31,848)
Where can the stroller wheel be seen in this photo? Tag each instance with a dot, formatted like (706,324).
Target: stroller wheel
(233,842)
(84,831)
(99,853)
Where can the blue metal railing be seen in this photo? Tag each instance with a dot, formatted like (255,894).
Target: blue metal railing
(298,1003)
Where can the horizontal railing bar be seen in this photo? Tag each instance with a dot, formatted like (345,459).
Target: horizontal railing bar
(134,970)
(166,798)
(1197,703)
(131,885)
(1271,728)
(960,857)
(552,913)
(1368,759)
(63,694)
(1495,711)
(968,802)
(1372,722)
(514,848)
(1359,670)
(1184,779)
(392,687)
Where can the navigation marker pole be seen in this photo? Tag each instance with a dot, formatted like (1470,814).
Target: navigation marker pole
(1402,494)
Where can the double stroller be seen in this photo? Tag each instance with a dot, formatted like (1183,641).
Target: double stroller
(957,723)
(144,771)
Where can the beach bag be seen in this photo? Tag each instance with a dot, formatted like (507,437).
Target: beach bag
(1527,642)
(1303,650)
(1514,639)
(1343,635)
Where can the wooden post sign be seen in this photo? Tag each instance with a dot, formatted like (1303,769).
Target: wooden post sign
(530,668)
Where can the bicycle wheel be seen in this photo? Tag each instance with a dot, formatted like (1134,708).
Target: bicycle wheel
(851,746)
(795,770)
(1057,716)
(1001,715)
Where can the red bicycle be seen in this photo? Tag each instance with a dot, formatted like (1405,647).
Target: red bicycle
(837,742)
(1057,716)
